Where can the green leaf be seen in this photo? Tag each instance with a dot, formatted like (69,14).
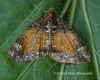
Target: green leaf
(82,15)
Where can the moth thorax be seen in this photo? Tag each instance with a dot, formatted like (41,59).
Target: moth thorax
(50,29)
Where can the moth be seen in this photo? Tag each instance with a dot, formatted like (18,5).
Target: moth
(49,35)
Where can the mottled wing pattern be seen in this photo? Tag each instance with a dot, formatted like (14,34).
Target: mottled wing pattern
(30,45)
(67,46)
(49,35)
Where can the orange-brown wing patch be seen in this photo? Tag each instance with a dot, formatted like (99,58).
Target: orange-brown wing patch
(35,40)
(68,48)
(64,42)
(30,46)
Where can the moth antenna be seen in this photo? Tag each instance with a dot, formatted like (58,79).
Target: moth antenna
(39,8)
